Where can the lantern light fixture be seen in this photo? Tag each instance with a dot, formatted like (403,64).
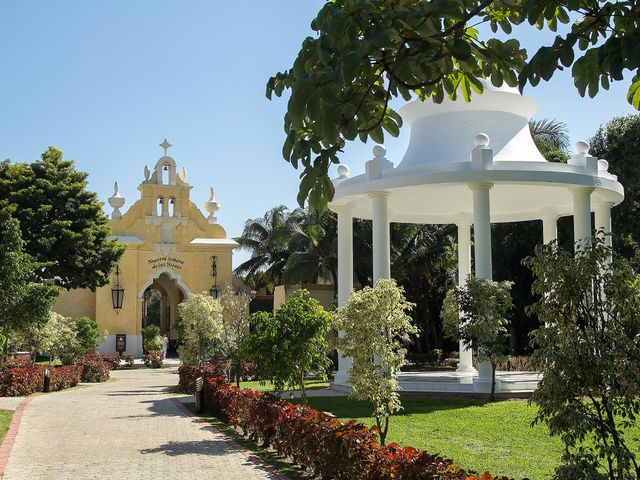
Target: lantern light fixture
(117,292)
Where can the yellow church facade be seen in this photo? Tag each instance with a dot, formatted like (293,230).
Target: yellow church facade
(171,247)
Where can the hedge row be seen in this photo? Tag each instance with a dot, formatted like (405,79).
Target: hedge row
(95,370)
(63,377)
(188,374)
(330,448)
(21,381)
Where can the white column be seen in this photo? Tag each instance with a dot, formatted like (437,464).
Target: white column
(482,244)
(345,279)
(549,228)
(482,229)
(465,364)
(582,214)
(603,223)
(381,241)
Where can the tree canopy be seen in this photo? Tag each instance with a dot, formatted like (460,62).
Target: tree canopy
(24,302)
(62,223)
(587,351)
(618,141)
(288,344)
(367,52)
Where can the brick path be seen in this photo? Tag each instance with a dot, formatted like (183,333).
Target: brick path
(127,429)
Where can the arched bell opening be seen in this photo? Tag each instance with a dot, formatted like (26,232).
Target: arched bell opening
(159,206)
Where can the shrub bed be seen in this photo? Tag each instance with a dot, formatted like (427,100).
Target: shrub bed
(127,360)
(189,373)
(94,370)
(153,359)
(64,377)
(112,360)
(330,448)
(21,381)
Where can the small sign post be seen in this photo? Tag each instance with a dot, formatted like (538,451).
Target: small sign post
(121,343)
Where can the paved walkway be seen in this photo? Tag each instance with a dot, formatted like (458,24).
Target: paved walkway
(125,429)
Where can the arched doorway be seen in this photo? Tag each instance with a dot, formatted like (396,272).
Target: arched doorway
(160,306)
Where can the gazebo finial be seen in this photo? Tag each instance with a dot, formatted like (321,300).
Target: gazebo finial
(482,140)
(582,148)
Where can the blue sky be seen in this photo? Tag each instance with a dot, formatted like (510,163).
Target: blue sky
(108,81)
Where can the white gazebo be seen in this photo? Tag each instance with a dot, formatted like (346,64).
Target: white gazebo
(471,164)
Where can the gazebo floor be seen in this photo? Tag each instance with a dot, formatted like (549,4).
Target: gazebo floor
(508,384)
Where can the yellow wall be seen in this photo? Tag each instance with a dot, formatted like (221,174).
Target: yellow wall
(322,293)
(77,303)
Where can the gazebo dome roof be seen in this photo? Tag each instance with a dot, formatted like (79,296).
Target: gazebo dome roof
(442,133)
(456,145)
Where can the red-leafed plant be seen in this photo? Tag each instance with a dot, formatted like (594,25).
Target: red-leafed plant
(153,359)
(330,448)
(66,376)
(126,360)
(188,373)
(21,381)
(94,370)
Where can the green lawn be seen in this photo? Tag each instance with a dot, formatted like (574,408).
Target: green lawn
(474,433)
(5,420)
(268,386)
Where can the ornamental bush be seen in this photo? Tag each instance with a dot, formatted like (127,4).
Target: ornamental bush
(188,373)
(153,359)
(94,370)
(112,360)
(330,448)
(21,381)
(66,376)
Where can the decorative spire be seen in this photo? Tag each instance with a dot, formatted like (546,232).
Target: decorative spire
(165,146)
(212,206)
(147,172)
(117,202)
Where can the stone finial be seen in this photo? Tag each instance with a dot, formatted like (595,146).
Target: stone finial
(373,168)
(343,171)
(212,206)
(147,173)
(603,165)
(183,174)
(379,151)
(482,140)
(582,148)
(117,202)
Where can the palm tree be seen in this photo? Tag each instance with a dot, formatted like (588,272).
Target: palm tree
(551,137)
(267,239)
(313,247)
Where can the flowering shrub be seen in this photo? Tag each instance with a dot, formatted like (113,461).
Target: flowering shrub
(153,359)
(94,370)
(189,373)
(21,381)
(318,441)
(63,377)
(127,360)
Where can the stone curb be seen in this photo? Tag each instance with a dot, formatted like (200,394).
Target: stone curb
(250,456)
(9,438)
